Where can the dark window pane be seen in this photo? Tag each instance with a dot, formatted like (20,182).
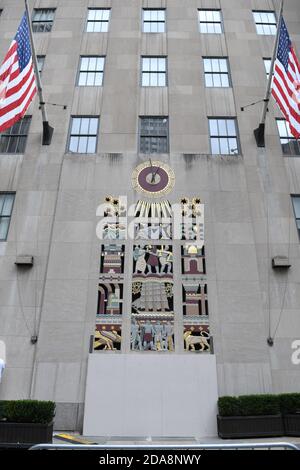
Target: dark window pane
(4,224)
(3,144)
(294,147)
(7,205)
(12,146)
(21,144)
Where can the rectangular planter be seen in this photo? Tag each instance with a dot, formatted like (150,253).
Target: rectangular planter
(230,427)
(291,423)
(25,433)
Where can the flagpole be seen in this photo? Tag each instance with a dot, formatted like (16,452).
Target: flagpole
(47,129)
(259,133)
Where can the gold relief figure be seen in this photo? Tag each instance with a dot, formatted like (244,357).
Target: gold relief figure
(107,339)
(191,340)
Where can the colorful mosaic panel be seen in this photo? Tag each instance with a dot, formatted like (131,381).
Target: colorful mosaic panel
(107,337)
(152,334)
(114,232)
(192,231)
(112,260)
(152,231)
(196,338)
(110,299)
(115,207)
(153,261)
(193,260)
(195,301)
(192,226)
(152,288)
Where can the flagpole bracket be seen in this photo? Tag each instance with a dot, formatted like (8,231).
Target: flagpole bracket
(259,135)
(47,133)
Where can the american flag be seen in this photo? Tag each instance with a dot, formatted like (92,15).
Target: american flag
(17,79)
(286,81)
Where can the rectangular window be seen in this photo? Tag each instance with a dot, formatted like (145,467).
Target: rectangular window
(91,71)
(98,20)
(265,22)
(296,205)
(41,62)
(216,72)
(223,136)
(289,145)
(154,133)
(14,140)
(83,134)
(154,71)
(210,21)
(6,207)
(154,21)
(42,20)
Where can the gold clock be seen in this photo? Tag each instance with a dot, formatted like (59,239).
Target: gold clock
(153,178)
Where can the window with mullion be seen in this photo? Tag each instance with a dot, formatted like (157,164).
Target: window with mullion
(42,20)
(154,71)
(91,71)
(265,22)
(83,134)
(98,20)
(224,136)
(154,132)
(289,144)
(154,21)
(14,140)
(216,72)
(6,207)
(210,21)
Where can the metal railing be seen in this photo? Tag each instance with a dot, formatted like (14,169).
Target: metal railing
(221,446)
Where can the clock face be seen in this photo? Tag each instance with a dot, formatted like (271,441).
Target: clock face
(153,179)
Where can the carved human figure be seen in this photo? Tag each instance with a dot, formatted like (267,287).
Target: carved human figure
(152,261)
(169,332)
(166,259)
(139,257)
(148,336)
(136,342)
(158,335)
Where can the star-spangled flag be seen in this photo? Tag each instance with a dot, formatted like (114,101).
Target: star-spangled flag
(17,79)
(286,81)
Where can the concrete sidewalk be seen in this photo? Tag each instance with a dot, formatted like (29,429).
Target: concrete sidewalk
(143,440)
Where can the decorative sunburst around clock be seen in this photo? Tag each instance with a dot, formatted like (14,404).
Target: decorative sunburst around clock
(153,178)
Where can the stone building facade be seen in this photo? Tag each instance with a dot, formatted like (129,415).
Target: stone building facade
(153,91)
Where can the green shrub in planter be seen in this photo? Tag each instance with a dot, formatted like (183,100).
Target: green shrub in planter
(229,406)
(3,410)
(289,403)
(29,411)
(249,416)
(257,405)
(249,405)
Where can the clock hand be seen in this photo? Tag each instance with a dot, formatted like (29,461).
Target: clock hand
(152,169)
(154,174)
